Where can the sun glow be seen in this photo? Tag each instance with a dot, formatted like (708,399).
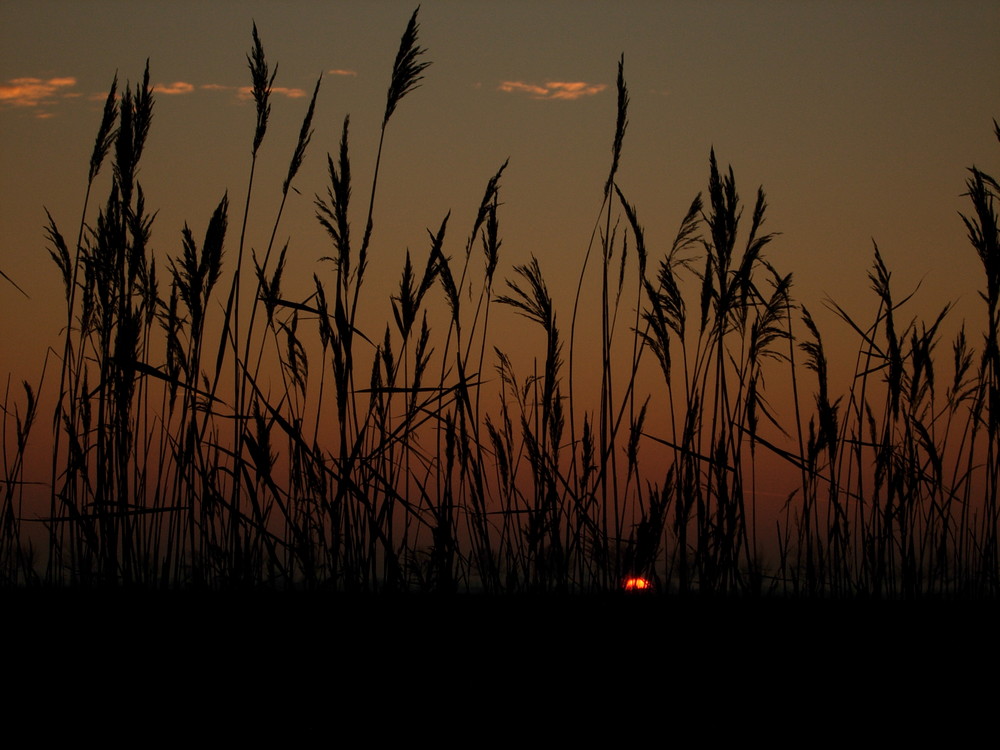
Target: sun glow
(637,583)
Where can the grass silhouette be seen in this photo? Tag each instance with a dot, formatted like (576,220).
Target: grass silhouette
(175,466)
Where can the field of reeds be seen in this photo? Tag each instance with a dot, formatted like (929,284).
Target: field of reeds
(416,454)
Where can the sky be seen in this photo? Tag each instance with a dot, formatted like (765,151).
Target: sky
(859,119)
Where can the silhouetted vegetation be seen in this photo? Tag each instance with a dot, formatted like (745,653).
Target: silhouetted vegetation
(173,465)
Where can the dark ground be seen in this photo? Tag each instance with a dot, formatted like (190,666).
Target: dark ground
(632,628)
(731,667)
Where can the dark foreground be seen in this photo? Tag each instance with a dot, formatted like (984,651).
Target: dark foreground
(268,626)
(310,663)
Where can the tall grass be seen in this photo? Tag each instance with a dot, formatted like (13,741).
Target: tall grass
(174,465)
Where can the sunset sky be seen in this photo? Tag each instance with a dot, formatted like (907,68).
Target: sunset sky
(858,118)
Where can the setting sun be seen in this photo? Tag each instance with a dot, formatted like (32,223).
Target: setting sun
(637,583)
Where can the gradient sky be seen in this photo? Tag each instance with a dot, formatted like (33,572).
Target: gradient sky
(858,118)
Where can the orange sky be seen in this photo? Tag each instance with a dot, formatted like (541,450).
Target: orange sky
(858,119)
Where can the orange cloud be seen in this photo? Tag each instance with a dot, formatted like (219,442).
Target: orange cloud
(31,92)
(537,92)
(566,90)
(341,72)
(246,92)
(177,87)
(574,89)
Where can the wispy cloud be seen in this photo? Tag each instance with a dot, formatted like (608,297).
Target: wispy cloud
(290,93)
(341,72)
(37,96)
(565,90)
(246,92)
(519,87)
(35,92)
(175,88)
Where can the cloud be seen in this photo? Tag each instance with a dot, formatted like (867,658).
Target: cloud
(32,92)
(246,92)
(340,72)
(177,87)
(574,89)
(537,92)
(566,90)
(290,93)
